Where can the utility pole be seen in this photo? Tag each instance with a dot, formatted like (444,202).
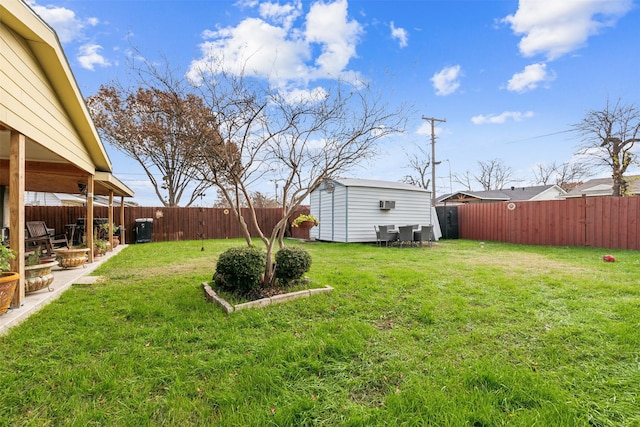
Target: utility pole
(433,156)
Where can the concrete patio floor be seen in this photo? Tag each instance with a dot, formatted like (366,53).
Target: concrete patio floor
(63,279)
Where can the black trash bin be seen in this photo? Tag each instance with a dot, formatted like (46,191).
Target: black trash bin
(143,229)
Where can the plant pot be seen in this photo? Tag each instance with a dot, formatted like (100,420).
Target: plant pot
(38,276)
(306,225)
(8,282)
(71,258)
(116,241)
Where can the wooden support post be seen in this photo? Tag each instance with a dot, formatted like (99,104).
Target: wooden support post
(122,239)
(110,217)
(89,225)
(16,210)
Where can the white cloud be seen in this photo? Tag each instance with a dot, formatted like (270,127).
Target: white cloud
(530,78)
(516,116)
(89,56)
(283,14)
(555,28)
(297,96)
(329,26)
(399,34)
(446,81)
(64,21)
(271,47)
(425,129)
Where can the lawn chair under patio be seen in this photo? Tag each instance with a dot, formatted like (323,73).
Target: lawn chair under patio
(39,237)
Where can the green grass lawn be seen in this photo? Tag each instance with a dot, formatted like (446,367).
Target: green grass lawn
(453,335)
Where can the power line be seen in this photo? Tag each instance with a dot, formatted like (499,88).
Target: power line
(540,136)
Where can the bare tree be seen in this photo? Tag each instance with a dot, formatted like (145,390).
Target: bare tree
(544,173)
(608,137)
(419,164)
(569,175)
(465,179)
(493,174)
(566,175)
(299,140)
(161,126)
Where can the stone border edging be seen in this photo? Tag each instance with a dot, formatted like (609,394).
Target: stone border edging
(212,296)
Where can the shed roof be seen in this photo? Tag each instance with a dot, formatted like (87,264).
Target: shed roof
(371,183)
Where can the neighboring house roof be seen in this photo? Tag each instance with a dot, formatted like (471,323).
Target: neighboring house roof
(33,198)
(514,194)
(600,187)
(371,183)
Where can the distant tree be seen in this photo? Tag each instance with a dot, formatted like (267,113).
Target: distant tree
(544,173)
(609,136)
(566,175)
(261,200)
(161,126)
(493,174)
(301,139)
(419,164)
(466,179)
(258,200)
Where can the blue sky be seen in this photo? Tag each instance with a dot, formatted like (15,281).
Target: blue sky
(509,77)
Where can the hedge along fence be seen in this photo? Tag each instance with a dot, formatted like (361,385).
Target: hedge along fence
(170,224)
(599,222)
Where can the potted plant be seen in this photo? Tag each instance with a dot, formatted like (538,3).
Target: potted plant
(115,238)
(73,256)
(37,271)
(305,221)
(100,247)
(8,279)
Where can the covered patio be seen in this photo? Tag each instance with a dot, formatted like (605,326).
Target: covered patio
(48,142)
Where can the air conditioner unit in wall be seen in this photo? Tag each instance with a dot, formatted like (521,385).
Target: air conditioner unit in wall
(387,204)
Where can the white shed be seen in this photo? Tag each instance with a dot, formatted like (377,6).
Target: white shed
(348,209)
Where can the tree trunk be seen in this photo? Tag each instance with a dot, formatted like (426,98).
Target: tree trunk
(269,271)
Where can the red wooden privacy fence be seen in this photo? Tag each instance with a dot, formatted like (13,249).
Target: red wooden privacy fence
(599,222)
(168,223)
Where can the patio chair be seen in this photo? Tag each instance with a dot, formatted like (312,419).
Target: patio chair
(425,234)
(383,235)
(38,235)
(405,235)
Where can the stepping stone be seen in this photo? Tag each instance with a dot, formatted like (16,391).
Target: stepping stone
(87,280)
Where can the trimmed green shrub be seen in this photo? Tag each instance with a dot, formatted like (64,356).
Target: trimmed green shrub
(238,270)
(291,264)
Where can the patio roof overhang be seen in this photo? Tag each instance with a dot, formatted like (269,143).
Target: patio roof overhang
(47,172)
(43,43)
